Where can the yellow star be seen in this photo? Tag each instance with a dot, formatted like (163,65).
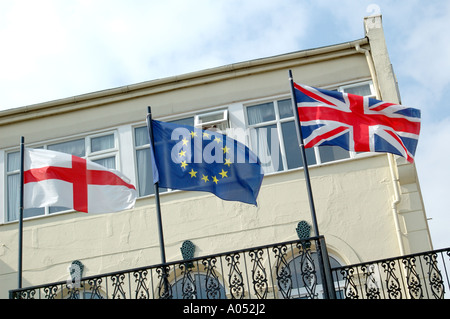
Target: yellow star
(193,134)
(185,141)
(182,153)
(193,173)
(183,164)
(205,178)
(225,149)
(227,162)
(215,180)
(218,140)
(205,135)
(223,173)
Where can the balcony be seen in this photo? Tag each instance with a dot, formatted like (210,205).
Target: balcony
(288,270)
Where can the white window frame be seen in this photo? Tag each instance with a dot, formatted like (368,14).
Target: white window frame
(342,88)
(221,123)
(278,121)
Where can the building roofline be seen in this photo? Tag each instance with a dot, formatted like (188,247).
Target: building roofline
(106,96)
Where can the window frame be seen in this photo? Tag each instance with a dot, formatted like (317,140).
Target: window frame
(278,122)
(343,87)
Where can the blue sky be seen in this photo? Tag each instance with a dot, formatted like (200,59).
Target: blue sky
(54,49)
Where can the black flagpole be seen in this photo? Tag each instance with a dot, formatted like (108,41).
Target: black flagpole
(165,294)
(303,154)
(22,152)
(158,206)
(322,250)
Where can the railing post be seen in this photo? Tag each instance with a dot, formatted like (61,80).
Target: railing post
(327,278)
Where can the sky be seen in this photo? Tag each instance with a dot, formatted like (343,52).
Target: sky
(52,49)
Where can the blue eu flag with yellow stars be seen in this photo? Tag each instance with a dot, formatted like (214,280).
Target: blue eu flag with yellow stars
(192,159)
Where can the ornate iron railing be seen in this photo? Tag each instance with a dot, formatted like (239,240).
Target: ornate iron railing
(286,270)
(417,276)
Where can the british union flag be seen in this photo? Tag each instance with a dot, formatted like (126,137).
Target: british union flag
(356,123)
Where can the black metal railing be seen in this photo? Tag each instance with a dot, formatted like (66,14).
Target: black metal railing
(284,270)
(417,276)
(281,271)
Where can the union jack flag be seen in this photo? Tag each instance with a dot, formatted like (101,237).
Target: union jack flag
(356,123)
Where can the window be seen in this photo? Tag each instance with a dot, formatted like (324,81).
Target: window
(101,148)
(363,89)
(144,170)
(198,286)
(216,120)
(273,136)
(304,286)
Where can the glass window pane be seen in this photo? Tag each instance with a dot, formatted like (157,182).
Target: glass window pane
(13,182)
(362,90)
(102,143)
(210,117)
(260,113)
(76,147)
(185,121)
(141,136)
(266,145)
(13,162)
(109,162)
(13,186)
(330,153)
(145,174)
(31,212)
(56,209)
(292,148)
(285,108)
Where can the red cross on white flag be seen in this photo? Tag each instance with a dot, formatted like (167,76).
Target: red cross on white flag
(59,179)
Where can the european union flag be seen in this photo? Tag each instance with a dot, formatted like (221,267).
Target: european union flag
(192,159)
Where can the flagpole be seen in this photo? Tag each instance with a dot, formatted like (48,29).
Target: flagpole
(22,156)
(158,205)
(166,293)
(321,247)
(303,155)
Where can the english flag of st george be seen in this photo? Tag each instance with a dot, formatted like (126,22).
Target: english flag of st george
(59,179)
